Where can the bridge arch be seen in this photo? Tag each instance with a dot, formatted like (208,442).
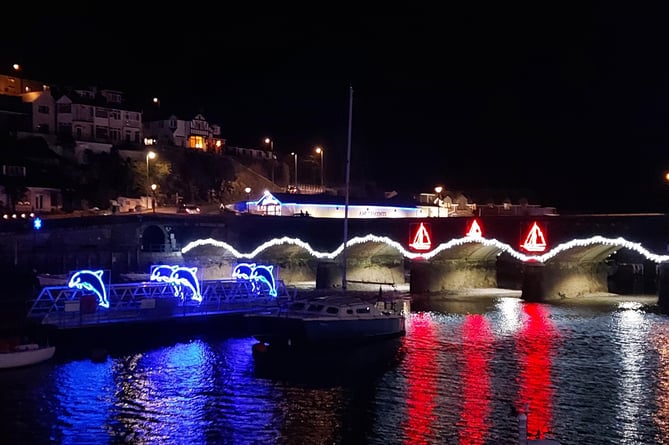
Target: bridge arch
(154,238)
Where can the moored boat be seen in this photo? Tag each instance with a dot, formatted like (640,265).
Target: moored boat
(328,321)
(25,355)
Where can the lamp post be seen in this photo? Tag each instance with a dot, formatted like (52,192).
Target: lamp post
(438,189)
(295,156)
(320,151)
(153,197)
(149,155)
(270,142)
(248,197)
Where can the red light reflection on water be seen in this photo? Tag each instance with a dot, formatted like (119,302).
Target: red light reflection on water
(477,341)
(421,378)
(534,346)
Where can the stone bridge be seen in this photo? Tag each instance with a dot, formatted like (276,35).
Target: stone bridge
(584,254)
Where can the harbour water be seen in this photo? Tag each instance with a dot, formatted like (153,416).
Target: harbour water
(590,371)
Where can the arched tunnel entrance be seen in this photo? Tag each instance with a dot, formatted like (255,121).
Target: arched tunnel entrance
(153,239)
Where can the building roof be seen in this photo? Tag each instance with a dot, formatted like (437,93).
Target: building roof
(98,100)
(325,198)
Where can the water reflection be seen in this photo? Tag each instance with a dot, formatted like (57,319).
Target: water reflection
(631,332)
(660,338)
(185,393)
(83,400)
(535,345)
(477,341)
(323,395)
(510,319)
(326,367)
(422,371)
(592,373)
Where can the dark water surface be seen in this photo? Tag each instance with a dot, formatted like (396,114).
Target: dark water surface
(592,372)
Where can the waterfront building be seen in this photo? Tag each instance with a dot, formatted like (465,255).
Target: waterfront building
(333,206)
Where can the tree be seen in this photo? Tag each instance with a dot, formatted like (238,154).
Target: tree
(14,179)
(16,190)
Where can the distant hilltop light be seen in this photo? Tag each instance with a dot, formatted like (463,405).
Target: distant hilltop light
(16,66)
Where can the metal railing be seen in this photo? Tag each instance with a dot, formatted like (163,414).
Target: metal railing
(66,307)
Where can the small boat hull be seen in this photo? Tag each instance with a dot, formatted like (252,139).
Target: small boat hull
(354,322)
(26,355)
(297,332)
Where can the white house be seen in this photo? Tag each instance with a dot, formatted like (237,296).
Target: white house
(98,116)
(196,133)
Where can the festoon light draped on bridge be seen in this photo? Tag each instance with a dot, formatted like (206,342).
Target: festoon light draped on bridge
(420,244)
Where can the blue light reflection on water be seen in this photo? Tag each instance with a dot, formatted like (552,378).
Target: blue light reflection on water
(83,396)
(186,393)
(591,373)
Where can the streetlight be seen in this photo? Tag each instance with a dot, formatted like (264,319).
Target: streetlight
(320,151)
(153,197)
(438,189)
(248,197)
(149,155)
(295,155)
(270,142)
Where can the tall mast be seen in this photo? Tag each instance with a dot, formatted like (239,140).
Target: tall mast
(348,178)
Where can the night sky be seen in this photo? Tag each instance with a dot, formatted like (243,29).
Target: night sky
(567,106)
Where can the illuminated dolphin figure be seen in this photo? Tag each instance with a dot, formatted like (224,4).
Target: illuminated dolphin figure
(162,273)
(258,275)
(184,278)
(91,281)
(243,271)
(262,275)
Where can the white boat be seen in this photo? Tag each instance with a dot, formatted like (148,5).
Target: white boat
(329,321)
(25,355)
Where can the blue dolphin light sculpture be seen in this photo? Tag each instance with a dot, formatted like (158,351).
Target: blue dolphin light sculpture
(185,278)
(260,276)
(91,281)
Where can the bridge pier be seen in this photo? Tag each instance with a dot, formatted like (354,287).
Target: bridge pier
(328,275)
(533,282)
(419,277)
(561,280)
(663,286)
(451,275)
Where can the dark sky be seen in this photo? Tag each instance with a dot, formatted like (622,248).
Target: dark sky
(565,105)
